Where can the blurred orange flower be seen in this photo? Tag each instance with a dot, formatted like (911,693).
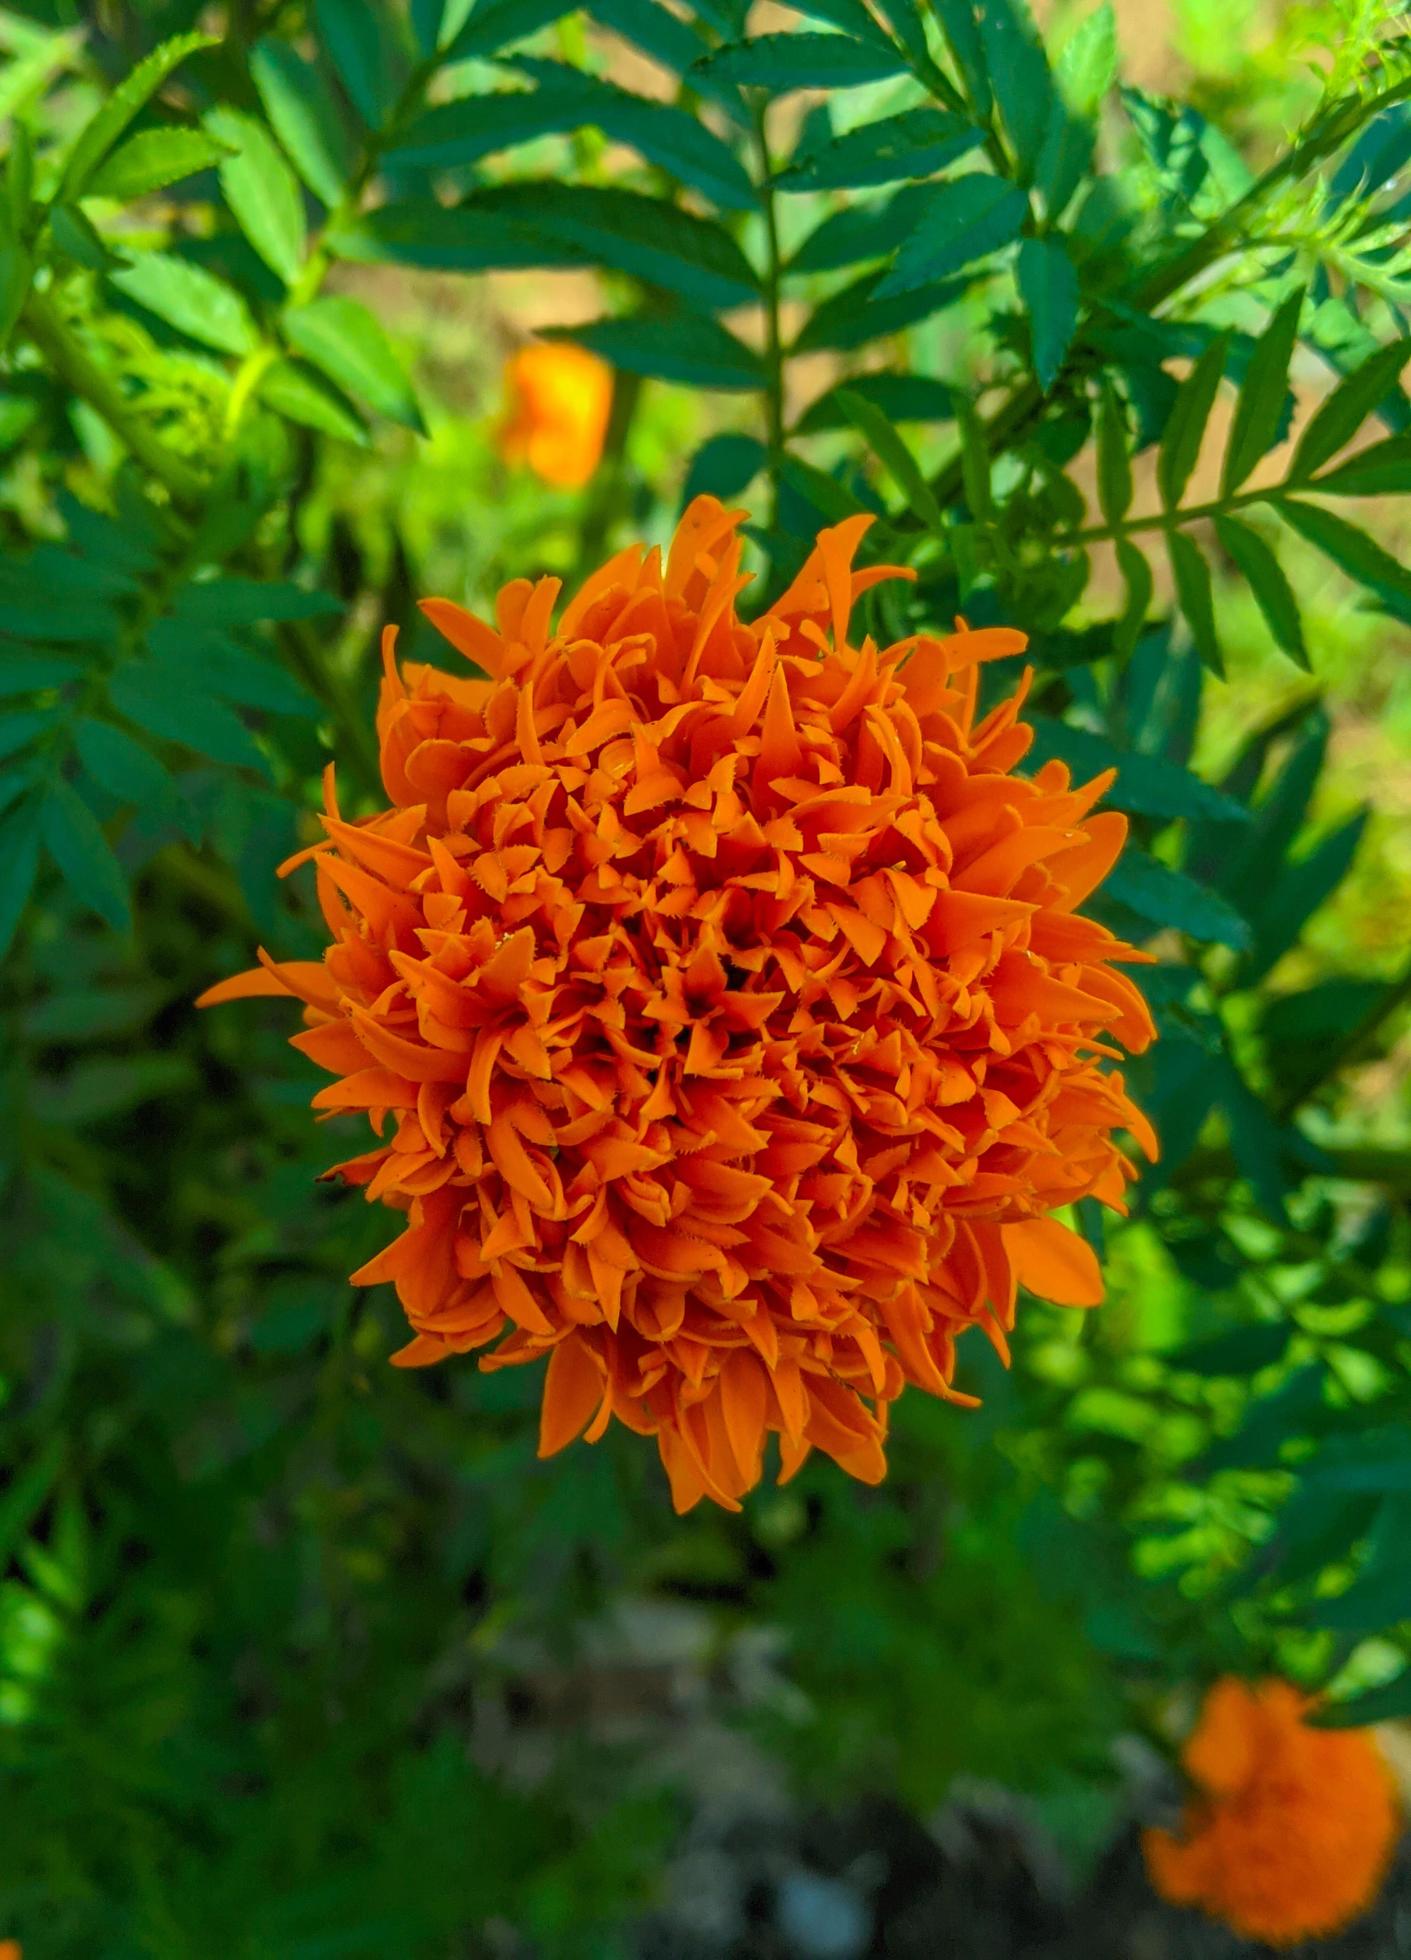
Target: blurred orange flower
(729,1004)
(11,1950)
(559,399)
(1292,1827)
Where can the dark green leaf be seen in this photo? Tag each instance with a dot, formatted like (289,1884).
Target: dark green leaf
(1259,412)
(302,394)
(190,299)
(152,160)
(171,704)
(497,24)
(99,135)
(1347,408)
(1350,549)
(1019,74)
(1383,470)
(862,230)
(1302,886)
(89,1013)
(784,62)
(342,339)
(1268,584)
(913,143)
(1114,467)
(359,42)
(889,448)
(16,276)
(724,467)
(76,237)
(1168,898)
(304,116)
(19,861)
(121,766)
(958,23)
(1185,427)
(664,37)
(1243,1351)
(235,601)
(1148,784)
(852,317)
(1048,286)
(1389,1703)
(689,349)
(27,673)
(1136,576)
(262,191)
(1196,597)
(963,219)
(900,397)
(74,839)
(850,16)
(19,729)
(225,668)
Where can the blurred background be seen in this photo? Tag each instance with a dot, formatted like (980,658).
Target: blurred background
(301,1656)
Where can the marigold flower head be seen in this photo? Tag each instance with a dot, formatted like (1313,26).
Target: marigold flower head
(721,1003)
(1291,1828)
(558,401)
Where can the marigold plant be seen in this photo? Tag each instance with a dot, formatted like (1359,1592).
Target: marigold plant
(1291,1828)
(727,998)
(558,401)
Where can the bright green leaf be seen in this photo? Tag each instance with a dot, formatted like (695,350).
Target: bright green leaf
(261,191)
(345,342)
(190,299)
(304,116)
(126,101)
(152,160)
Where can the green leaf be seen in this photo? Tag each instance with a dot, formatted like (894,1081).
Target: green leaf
(16,277)
(358,40)
(76,237)
(913,143)
(18,182)
(1382,470)
(74,839)
(1136,576)
(900,397)
(229,670)
(1271,589)
(1351,550)
(343,340)
(957,18)
(232,601)
(1147,784)
(862,230)
(29,70)
(724,466)
(688,348)
(1389,1703)
(18,729)
(627,231)
(1114,465)
(850,16)
(190,299)
(170,704)
(889,448)
(1263,393)
(1347,408)
(122,766)
(497,24)
(1048,286)
(126,101)
(151,161)
(19,862)
(964,219)
(1243,1351)
(1196,598)
(1185,426)
(28,673)
(1303,885)
(304,116)
(301,393)
(1087,66)
(851,317)
(1169,898)
(261,191)
(1019,73)
(782,63)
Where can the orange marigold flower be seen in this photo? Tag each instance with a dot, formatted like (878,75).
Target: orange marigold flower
(722,1004)
(10,1950)
(560,397)
(1292,1827)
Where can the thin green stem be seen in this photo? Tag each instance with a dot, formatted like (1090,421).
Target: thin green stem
(1172,520)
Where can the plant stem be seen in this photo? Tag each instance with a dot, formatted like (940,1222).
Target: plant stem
(1170,520)
(83,377)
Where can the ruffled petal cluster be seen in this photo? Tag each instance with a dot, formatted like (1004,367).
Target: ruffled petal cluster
(1292,1827)
(719,997)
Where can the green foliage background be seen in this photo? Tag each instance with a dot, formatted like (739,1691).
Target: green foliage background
(276,1622)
